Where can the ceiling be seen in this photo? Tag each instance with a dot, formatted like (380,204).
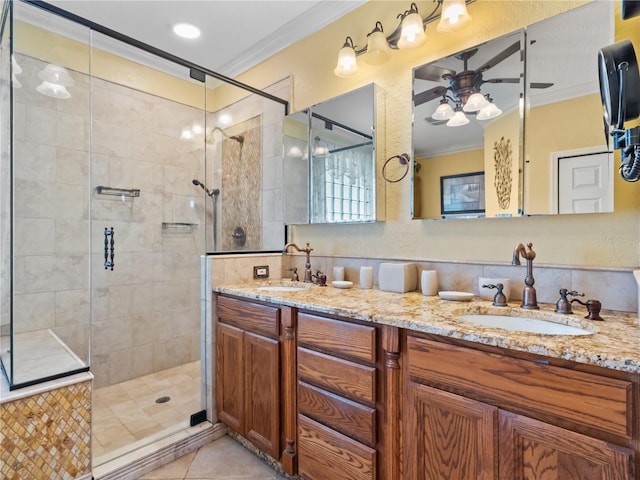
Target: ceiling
(236,34)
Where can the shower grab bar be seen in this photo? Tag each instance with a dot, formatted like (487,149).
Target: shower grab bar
(109,248)
(119,192)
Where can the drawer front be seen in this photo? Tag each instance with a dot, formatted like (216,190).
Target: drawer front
(326,454)
(343,377)
(345,416)
(343,338)
(254,317)
(582,399)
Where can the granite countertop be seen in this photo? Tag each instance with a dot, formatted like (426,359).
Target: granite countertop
(615,343)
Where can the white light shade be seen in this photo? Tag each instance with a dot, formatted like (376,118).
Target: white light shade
(294,151)
(475,102)
(186,30)
(56,74)
(454,16)
(489,112)
(443,112)
(458,119)
(347,64)
(196,128)
(412,34)
(53,90)
(378,51)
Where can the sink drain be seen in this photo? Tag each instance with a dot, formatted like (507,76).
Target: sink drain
(163,399)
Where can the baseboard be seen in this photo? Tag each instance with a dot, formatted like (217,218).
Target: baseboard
(148,458)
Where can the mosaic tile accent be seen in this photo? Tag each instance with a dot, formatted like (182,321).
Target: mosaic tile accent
(242,188)
(47,435)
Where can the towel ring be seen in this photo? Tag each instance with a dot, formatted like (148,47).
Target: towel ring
(404,160)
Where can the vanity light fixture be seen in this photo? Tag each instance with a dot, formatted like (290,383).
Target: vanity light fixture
(186,30)
(409,33)
(378,51)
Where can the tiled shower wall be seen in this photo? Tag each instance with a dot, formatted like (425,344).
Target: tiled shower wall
(145,311)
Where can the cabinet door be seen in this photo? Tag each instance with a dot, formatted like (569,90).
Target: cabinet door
(262,393)
(533,450)
(230,373)
(447,436)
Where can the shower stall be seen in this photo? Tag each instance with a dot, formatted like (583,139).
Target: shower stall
(120,167)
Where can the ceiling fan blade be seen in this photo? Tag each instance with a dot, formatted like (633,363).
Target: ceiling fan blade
(540,85)
(502,80)
(432,72)
(428,95)
(503,55)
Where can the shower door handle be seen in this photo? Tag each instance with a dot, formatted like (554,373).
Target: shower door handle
(109,248)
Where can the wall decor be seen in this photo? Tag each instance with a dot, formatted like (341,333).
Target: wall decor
(503,163)
(462,195)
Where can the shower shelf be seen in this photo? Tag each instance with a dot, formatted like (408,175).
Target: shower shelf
(119,192)
(179,226)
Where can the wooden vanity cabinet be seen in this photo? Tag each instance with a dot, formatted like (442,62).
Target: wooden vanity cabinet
(340,399)
(249,371)
(483,414)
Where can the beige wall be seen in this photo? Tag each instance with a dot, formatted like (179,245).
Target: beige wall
(587,240)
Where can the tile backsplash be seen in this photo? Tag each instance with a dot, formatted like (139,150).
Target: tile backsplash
(615,288)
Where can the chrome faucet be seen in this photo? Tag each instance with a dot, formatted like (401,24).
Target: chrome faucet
(529,293)
(307,266)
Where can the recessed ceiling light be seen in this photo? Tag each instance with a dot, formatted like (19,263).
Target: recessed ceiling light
(186,30)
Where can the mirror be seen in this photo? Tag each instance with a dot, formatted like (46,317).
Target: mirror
(562,142)
(568,167)
(329,161)
(468,155)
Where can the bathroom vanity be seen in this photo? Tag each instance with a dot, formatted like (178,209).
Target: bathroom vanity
(364,384)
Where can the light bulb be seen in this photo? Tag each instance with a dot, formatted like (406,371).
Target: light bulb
(412,34)
(347,64)
(454,16)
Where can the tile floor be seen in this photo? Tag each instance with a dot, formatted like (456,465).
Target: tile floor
(222,459)
(126,415)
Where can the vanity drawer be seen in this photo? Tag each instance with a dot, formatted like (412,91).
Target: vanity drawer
(343,377)
(324,453)
(345,416)
(586,401)
(254,317)
(336,336)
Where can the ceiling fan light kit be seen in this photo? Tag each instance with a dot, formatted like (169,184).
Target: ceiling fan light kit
(410,33)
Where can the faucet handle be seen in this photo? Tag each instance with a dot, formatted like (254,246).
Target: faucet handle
(500,299)
(593,307)
(321,278)
(563,305)
(294,274)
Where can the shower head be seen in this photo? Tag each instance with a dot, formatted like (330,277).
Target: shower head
(198,183)
(237,138)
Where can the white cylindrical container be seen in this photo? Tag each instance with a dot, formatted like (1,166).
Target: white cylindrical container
(429,282)
(338,273)
(366,277)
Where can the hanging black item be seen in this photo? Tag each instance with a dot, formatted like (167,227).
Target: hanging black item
(109,248)
(620,94)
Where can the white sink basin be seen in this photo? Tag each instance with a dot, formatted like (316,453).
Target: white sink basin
(523,324)
(281,288)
